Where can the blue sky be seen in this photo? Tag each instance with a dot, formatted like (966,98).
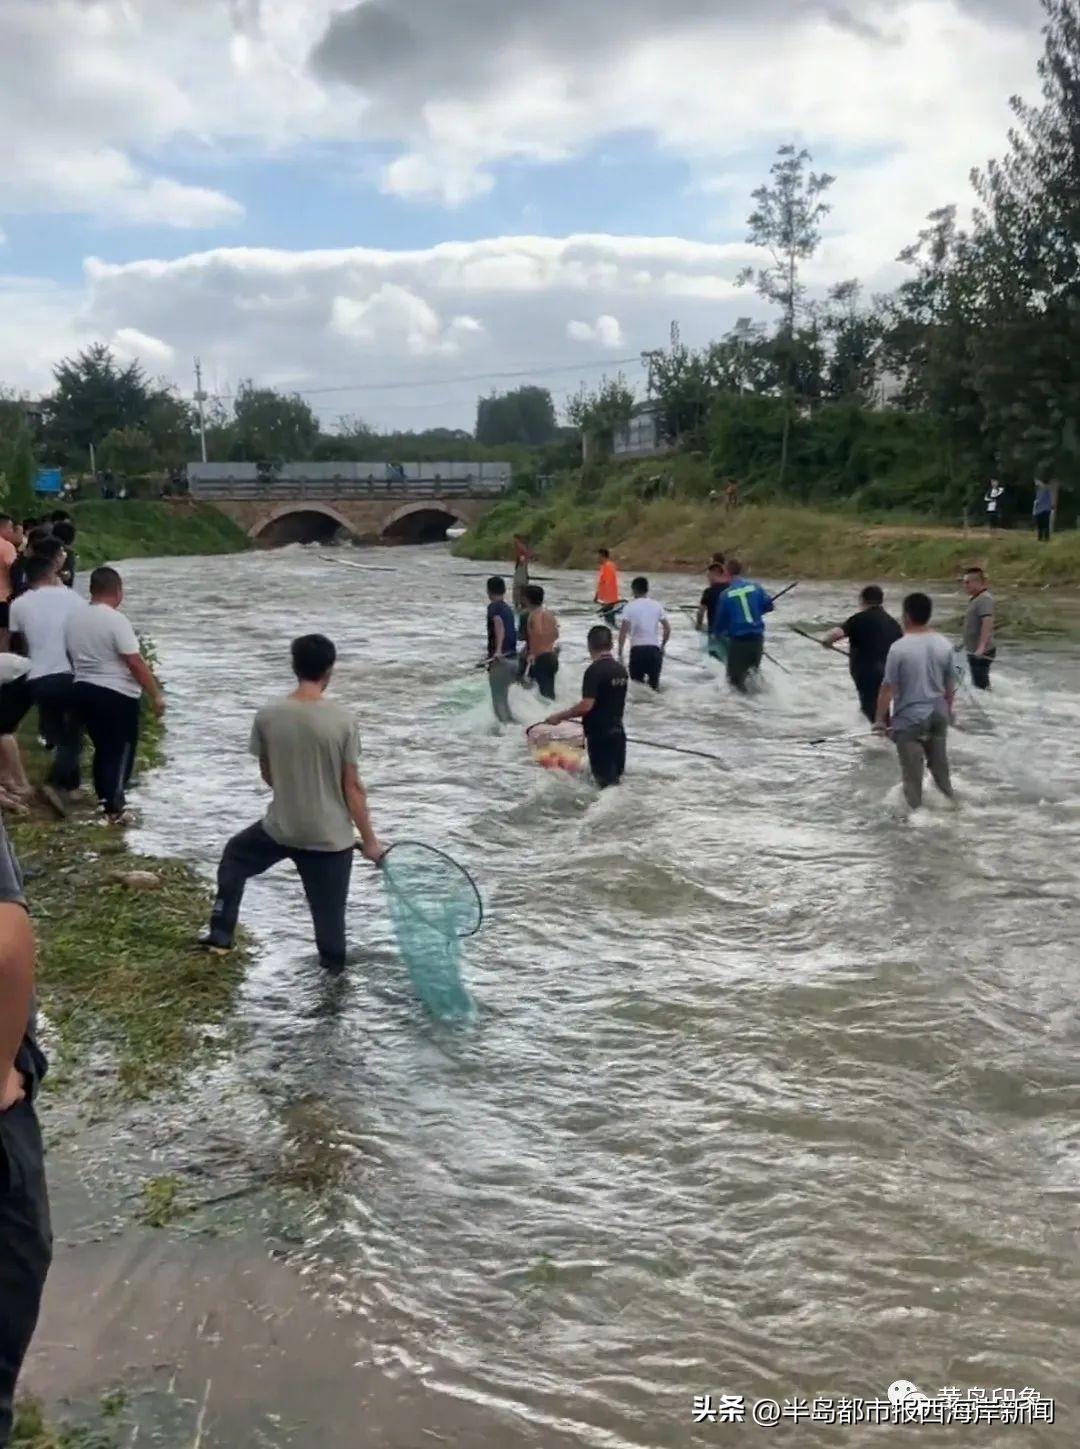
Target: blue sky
(211,155)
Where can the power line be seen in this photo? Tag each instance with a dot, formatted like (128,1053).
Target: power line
(462,377)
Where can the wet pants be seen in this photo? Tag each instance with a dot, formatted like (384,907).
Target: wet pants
(979,665)
(111,719)
(501,674)
(646,662)
(58,712)
(325,875)
(25,1245)
(743,659)
(921,745)
(868,687)
(607,757)
(544,669)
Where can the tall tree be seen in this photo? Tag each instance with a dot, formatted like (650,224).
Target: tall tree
(20,475)
(93,395)
(525,415)
(786,222)
(270,426)
(1027,354)
(598,411)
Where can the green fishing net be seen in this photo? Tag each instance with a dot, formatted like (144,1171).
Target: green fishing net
(434,905)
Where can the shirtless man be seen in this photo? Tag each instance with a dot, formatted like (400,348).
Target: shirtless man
(542,641)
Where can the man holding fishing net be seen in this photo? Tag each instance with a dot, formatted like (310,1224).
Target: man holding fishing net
(739,624)
(309,755)
(601,708)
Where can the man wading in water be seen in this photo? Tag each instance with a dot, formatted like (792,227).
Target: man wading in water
(309,755)
(600,709)
(920,683)
(871,633)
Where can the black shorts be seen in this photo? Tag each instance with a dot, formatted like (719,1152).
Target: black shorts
(5,614)
(607,757)
(16,697)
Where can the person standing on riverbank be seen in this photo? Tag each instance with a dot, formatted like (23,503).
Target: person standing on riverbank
(309,754)
(541,642)
(110,678)
(739,625)
(995,503)
(501,649)
(39,620)
(919,687)
(25,1229)
(601,708)
(1043,511)
(871,633)
(607,587)
(646,625)
(979,628)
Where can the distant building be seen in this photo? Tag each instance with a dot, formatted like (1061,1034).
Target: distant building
(641,434)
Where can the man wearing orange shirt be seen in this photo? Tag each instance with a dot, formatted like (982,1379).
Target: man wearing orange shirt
(8,554)
(607,588)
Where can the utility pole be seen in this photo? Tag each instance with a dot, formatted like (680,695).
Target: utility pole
(200,398)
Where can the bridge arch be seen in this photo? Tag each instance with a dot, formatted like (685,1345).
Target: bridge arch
(300,523)
(425,522)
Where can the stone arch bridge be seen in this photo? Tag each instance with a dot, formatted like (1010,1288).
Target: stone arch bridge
(369,503)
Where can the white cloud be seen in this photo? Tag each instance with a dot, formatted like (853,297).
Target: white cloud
(132,345)
(440,323)
(605,331)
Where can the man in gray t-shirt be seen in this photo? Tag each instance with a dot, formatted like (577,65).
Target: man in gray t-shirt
(979,628)
(919,685)
(309,755)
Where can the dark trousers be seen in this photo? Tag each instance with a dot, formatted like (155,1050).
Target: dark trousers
(743,659)
(868,687)
(979,665)
(1042,525)
(25,1246)
(325,875)
(54,695)
(111,719)
(544,669)
(607,757)
(646,662)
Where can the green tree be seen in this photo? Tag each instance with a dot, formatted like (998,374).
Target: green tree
(171,424)
(597,412)
(854,332)
(525,415)
(93,395)
(128,452)
(786,222)
(20,475)
(270,426)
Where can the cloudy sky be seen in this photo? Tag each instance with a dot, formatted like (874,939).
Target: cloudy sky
(391,205)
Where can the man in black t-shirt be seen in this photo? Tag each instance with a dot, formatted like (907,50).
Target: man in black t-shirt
(501,649)
(871,633)
(600,709)
(719,579)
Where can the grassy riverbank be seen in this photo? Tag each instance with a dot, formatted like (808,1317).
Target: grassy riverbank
(117,973)
(566,524)
(109,532)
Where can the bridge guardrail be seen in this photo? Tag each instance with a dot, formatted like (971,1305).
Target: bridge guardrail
(247,489)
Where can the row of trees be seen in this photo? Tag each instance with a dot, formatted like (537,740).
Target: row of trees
(980,345)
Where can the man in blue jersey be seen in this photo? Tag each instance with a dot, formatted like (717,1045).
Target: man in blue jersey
(738,621)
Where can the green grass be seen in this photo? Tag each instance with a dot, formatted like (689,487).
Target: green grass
(117,968)
(137,528)
(614,509)
(33,1431)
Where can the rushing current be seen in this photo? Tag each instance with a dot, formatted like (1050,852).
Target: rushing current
(771,1091)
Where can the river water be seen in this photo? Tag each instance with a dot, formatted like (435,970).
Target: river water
(771,1091)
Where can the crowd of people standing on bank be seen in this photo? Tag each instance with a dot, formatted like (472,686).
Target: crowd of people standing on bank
(77,661)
